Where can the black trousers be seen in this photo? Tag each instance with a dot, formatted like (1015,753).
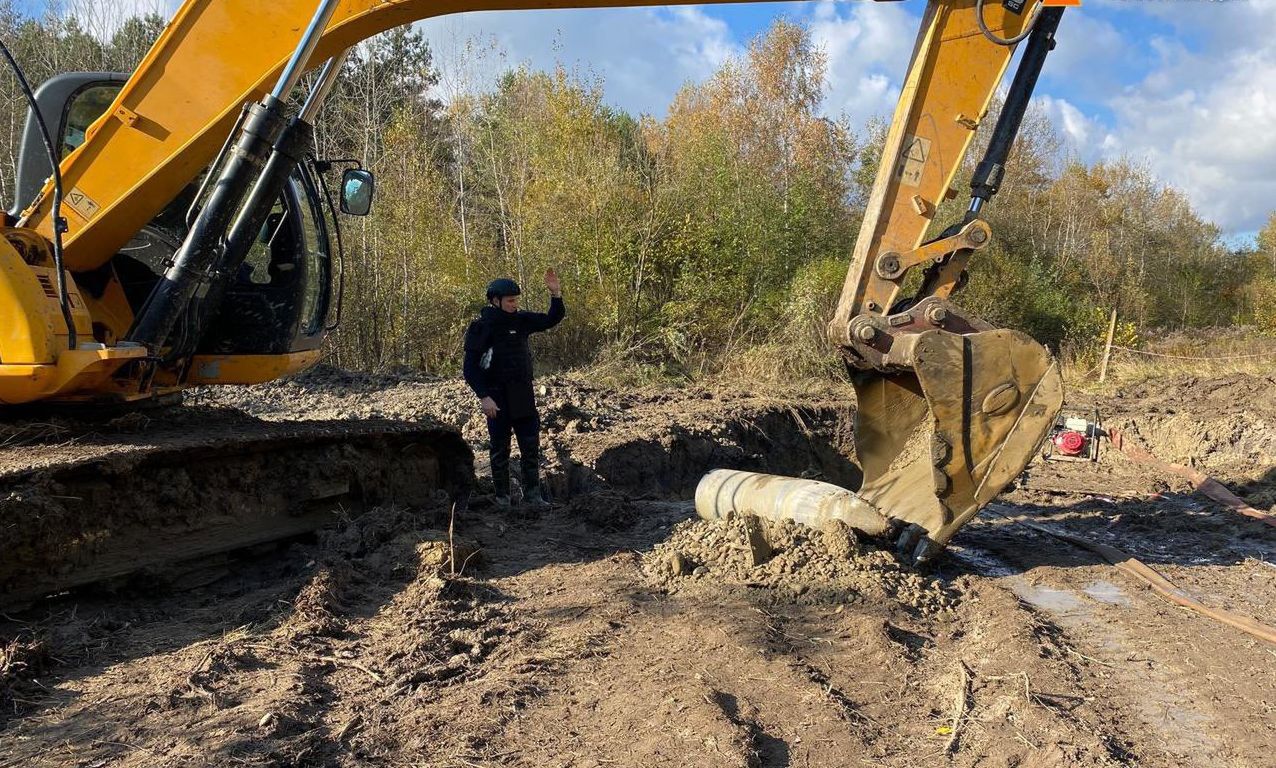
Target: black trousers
(528,432)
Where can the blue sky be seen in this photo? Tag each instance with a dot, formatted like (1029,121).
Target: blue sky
(1183,86)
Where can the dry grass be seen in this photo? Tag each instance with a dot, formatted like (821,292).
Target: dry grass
(771,368)
(784,364)
(795,369)
(21,658)
(26,433)
(1211,353)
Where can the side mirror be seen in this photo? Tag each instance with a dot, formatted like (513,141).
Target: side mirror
(357,188)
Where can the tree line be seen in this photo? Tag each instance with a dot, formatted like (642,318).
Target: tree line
(717,235)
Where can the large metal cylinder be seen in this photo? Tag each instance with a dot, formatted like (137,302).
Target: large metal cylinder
(726,492)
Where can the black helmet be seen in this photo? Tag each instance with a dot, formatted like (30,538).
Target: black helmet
(501,287)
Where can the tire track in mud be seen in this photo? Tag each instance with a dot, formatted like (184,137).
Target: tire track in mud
(1194,684)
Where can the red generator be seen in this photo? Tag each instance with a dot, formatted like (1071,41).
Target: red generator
(1074,437)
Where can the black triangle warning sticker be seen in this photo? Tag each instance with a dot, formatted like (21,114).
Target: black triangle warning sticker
(82,204)
(912,160)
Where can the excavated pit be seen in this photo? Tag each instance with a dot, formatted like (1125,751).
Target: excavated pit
(782,439)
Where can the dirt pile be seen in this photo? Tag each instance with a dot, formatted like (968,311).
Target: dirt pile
(604,510)
(381,631)
(829,565)
(1225,425)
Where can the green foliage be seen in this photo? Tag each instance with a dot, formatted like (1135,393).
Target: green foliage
(802,332)
(1022,294)
(1087,335)
(717,236)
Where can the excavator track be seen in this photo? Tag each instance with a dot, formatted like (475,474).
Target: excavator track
(83,503)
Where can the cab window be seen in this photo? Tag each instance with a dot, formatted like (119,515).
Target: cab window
(269,256)
(82,110)
(314,293)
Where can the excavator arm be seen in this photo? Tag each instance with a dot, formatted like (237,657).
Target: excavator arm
(949,408)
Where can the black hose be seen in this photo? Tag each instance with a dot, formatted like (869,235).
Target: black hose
(59,223)
(992,36)
(988,174)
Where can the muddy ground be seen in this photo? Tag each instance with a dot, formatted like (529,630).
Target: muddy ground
(615,630)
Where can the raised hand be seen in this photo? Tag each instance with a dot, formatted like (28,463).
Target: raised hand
(552,282)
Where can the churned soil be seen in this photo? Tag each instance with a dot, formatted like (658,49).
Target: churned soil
(616,629)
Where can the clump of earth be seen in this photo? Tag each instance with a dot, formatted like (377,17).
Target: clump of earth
(829,564)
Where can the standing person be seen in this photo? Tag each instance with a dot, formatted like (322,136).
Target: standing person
(498,367)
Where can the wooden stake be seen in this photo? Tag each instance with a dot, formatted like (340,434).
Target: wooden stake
(1107,347)
(451,542)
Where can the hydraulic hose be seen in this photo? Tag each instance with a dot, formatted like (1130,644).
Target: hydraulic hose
(59,223)
(987,178)
(1007,41)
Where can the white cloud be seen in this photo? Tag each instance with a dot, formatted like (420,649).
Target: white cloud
(1201,118)
(868,51)
(643,54)
(1091,57)
(1077,129)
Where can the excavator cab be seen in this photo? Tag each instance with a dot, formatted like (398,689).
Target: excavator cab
(278,304)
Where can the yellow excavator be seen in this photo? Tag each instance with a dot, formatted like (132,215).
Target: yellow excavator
(174,230)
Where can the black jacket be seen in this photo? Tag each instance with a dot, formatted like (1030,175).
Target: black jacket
(507,375)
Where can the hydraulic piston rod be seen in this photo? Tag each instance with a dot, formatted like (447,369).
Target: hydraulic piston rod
(198,266)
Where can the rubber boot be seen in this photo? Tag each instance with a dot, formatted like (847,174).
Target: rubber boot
(533,498)
(501,481)
(532,494)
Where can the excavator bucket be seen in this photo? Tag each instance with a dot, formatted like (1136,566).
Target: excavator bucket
(938,442)
(935,443)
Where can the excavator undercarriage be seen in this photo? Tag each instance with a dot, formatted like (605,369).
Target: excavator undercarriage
(148,490)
